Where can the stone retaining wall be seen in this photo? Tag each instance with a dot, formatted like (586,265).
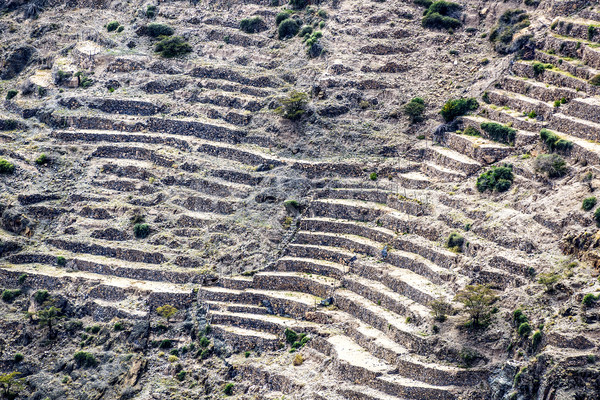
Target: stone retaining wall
(114,252)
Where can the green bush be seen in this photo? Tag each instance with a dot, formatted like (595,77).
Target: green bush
(457,107)
(554,142)
(181,375)
(551,165)
(41,296)
(588,203)
(471,131)
(597,215)
(204,341)
(21,279)
(228,389)
(373,176)
(496,178)
(18,357)
(519,317)
(141,231)
(290,335)
(589,299)
(305,31)
(156,30)
(118,326)
(42,159)
(121,28)
(423,3)
(288,29)
(112,26)
(173,47)
(524,329)
(298,4)
(455,241)
(282,16)
(503,32)
(251,25)
(415,109)
(539,67)
(11,94)
(151,11)
(6,167)
(60,260)
(9,295)
(85,359)
(294,106)
(499,133)
(536,339)
(442,15)
(165,344)
(83,80)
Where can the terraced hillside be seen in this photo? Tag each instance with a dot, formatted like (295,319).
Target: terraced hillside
(307,257)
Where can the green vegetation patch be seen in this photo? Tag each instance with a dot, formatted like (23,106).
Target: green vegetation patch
(497,179)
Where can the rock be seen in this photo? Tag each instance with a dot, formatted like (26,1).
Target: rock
(16,62)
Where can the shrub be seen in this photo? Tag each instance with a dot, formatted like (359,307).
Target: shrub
(524,329)
(120,28)
(496,178)
(11,94)
(112,26)
(18,357)
(548,279)
(251,25)
(519,317)
(423,3)
(298,4)
(21,279)
(536,339)
(415,109)
(60,260)
(554,142)
(468,356)
(165,344)
(457,107)
(156,30)
(305,31)
(539,67)
(477,301)
(204,341)
(83,80)
(118,326)
(9,295)
(499,133)
(85,359)
(440,309)
(181,375)
(444,8)
(288,29)
(595,80)
(455,241)
(290,335)
(42,159)
(437,21)
(551,165)
(298,360)
(471,131)
(589,299)
(282,16)
(166,311)
(588,203)
(6,167)
(228,389)
(373,176)
(591,32)
(41,296)
(141,231)
(503,32)
(294,106)
(173,47)
(151,11)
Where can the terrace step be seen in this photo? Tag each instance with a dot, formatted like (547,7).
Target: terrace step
(441,173)
(522,137)
(556,77)
(576,67)
(316,285)
(521,103)
(310,265)
(245,339)
(414,180)
(581,128)
(476,147)
(267,323)
(517,120)
(583,149)
(348,209)
(236,308)
(575,28)
(357,392)
(453,161)
(585,108)
(372,195)
(538,90)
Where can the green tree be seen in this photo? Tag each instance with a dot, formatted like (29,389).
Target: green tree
(477,301)
(11,385)
(166,311)
(294,106)
(47,317)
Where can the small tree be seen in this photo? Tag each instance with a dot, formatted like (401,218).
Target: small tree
(415,109)
(440,309)
(47,317)
(166,311)
(477,301)
(294,106)
(549,279)
(11,385)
